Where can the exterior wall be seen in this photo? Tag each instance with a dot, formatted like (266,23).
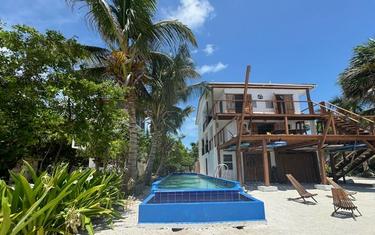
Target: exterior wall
(268,95)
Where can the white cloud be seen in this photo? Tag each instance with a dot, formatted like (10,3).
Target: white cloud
(194,51)
(209,49)
(212,68)
(193,13)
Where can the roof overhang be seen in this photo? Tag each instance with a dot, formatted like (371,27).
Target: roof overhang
(261,85)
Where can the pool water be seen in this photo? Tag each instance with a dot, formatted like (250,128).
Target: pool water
(182,198)
(186,181)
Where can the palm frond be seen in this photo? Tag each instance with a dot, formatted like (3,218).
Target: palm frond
(97,55)
(168,32)
(102,17)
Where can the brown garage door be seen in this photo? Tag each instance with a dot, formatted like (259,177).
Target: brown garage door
(253,167)
(302,165)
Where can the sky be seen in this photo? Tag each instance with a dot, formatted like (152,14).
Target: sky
(289,41)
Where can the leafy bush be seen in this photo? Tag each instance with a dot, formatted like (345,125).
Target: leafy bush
(61,202)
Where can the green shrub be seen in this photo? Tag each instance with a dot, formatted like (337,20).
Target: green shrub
(61,202)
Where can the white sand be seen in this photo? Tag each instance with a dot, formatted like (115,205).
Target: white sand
(283,217)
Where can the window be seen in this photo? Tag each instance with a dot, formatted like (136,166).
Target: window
(254,102)
(228,161)
(202,147)
(269,104)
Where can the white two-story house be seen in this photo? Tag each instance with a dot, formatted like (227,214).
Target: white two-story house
(278,130)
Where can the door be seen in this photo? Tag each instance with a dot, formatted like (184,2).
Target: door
(284,104)
(239,103)
(253,167)
(228,160)
(230,103)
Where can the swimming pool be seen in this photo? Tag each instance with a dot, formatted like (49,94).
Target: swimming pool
(187,181)
(195,198)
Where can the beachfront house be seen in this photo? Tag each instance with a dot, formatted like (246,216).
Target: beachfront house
(278,129)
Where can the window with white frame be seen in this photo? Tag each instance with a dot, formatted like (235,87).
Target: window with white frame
(228,160)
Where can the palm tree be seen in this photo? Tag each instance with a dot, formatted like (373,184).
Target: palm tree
(168,89)
(127,27)
(358,80)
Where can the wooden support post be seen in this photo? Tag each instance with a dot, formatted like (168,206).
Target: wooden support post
(326,129)
(322,162)
(265,164)
(240,126)
(333,125)
(310,104)
(286,125)
(323,107)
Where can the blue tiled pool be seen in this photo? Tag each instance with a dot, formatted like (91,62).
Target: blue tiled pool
(196,198)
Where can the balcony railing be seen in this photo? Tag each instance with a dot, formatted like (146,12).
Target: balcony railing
(226,106)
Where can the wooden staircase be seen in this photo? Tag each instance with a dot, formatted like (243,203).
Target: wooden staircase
(346,126)
(347,164)
(349,123)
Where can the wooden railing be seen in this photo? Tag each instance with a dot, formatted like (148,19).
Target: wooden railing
(366,123)
(324,109)
(226,106)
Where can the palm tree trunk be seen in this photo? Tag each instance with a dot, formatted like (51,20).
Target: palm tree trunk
(133,140)
(151,159)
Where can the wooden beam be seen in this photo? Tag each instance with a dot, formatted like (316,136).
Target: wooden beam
(240,126)
(265,164)
(333,125)
(326,128)
(300,138)
(286,125)
(263,116)
(322,162)
(310,104)
(310,137)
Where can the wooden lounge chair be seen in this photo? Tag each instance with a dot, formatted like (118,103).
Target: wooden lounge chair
(300,189)
(335,185)
(342,201)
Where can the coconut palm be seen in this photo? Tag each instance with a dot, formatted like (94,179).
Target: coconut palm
(358,80)
(168,89)
(128,29)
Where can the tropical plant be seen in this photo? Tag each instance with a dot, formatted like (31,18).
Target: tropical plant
(128,29)
(61,202)
(46,102)
(358,80)
(168,88)
(177,158)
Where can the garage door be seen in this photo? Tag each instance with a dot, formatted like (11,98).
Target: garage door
(302,165)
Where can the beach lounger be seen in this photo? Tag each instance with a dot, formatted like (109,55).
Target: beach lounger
(342,201)
(335,185)
(300,189)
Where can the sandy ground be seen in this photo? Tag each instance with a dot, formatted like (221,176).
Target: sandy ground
(284,216)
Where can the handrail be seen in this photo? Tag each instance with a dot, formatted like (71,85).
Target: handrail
(335,111)
(222,129)
(355,114)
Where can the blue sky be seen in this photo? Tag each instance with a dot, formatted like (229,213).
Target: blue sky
(288,41)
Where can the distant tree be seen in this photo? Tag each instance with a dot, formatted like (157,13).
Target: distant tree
(168,88)
(194,151)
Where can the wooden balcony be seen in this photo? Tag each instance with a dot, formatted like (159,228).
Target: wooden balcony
(266,110)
